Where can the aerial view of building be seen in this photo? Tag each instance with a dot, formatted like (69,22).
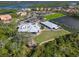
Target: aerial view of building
(50,25)
(39,29)
(6,18)
(29,27)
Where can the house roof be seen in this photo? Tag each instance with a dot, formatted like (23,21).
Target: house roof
(5,17)
(29,27)
(50,24)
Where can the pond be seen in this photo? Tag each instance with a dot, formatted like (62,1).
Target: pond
(68,21)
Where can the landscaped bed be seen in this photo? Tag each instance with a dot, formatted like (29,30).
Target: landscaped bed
(53,16)
(47,35)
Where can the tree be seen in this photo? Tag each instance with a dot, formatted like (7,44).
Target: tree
(64,46)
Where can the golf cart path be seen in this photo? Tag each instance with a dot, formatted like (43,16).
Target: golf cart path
(46,41)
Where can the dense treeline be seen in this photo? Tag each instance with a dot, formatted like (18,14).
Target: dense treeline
(12,43)
(51,4)
(65,46)
(15,44)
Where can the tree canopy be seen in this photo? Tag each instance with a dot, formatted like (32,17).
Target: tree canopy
(65,46)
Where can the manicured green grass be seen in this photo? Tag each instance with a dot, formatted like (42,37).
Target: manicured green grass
(8,11)
(53,16)
(46,35)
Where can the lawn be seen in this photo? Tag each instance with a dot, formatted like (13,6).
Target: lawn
(46,35)
(53,16)
(8,11)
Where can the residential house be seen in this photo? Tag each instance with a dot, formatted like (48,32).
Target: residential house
(6,18)
(22,13)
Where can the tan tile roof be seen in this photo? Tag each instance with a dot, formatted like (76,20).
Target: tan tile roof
(5,17)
